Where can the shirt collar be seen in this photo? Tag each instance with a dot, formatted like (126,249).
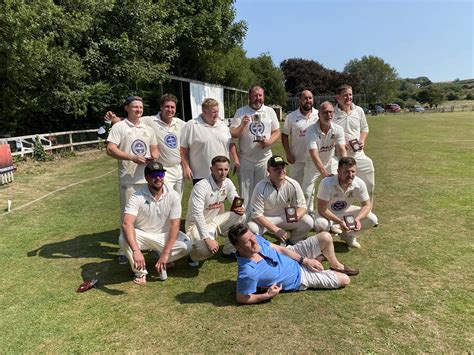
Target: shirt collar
(130,124)
(148,193)
(160,121)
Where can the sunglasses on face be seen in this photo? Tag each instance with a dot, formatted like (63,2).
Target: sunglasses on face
(157,174)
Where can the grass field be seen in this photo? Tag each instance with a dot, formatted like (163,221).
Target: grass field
(414,293)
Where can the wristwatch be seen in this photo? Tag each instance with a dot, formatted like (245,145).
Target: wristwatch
(301,260)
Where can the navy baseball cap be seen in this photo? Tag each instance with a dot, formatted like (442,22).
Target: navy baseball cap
(275,161)
(154,166)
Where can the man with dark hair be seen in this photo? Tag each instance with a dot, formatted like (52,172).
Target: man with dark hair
(278,205)
(352,119)
(151,222)
(257,128)
(335,196)
(270,268)
(132,144)
(167,129)
(206,217)
(294,132)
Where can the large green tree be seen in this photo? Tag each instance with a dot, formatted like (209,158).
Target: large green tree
(270,77)
(65,61)
(374,78)
(431,95)
(301,74)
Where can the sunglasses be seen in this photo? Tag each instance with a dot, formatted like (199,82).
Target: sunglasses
(157,174)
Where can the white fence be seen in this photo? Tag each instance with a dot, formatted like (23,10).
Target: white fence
(24,145)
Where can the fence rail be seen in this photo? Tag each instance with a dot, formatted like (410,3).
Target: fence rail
(24,145)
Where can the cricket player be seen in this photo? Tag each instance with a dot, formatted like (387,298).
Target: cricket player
(202,139)
(352,119)
(324,141)
(293,135)
(335,197)
(271,200)
(206,217)
(256,127)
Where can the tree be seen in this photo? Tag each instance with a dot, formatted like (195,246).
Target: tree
(377,80)
(204,30)
(431,95)
(270,78)
(303,74)
(65,61)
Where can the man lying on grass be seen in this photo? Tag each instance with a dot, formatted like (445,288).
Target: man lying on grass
(273,268)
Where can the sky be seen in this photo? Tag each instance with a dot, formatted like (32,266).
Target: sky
(432,38)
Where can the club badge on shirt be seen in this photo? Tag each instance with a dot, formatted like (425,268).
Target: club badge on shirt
(339,205)
(171,141)
(138,147)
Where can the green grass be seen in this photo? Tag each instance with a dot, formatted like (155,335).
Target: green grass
(414,293)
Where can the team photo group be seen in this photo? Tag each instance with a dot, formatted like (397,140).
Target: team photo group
(322,188)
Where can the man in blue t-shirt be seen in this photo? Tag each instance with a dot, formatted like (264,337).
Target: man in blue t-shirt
(273,268)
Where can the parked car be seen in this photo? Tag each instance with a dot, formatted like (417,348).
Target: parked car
(416,108)
(395,108)
(378,109)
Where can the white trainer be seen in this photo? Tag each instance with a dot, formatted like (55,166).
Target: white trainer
(351,241)
(336,229)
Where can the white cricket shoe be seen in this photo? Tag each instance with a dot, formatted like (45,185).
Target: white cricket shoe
(351,241)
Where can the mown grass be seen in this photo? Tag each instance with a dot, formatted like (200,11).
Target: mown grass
(414,293)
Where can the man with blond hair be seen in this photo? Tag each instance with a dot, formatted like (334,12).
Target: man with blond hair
(203,138)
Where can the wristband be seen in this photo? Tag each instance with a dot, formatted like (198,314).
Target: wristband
(301,260)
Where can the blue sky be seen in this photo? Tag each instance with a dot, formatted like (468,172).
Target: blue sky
(430,38)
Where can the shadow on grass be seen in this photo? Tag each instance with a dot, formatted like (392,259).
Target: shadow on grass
(82,246)
(107,273)
(102,245)
(220,294)
(340,247)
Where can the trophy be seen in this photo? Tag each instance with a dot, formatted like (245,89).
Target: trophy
(238,202)
(291,215)
(350,221)
(257,120)
(355,145)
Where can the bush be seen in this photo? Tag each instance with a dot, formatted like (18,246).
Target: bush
(39,154)
(470,97)
(452,96)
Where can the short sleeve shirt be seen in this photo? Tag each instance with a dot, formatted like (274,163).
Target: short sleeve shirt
(153,216)
(248,149)
(251,275)
(167,138)
(207,200)
(132,139)
(352,123)
(269,201)
(296,127)
(339,200)
(204,142)
(324,143)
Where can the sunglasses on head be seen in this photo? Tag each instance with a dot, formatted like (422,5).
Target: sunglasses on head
(157,174)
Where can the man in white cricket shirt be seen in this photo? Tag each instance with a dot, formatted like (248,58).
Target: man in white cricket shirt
(206,217)
(293,135)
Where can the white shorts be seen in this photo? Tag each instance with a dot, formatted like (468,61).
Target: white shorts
(314,279)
